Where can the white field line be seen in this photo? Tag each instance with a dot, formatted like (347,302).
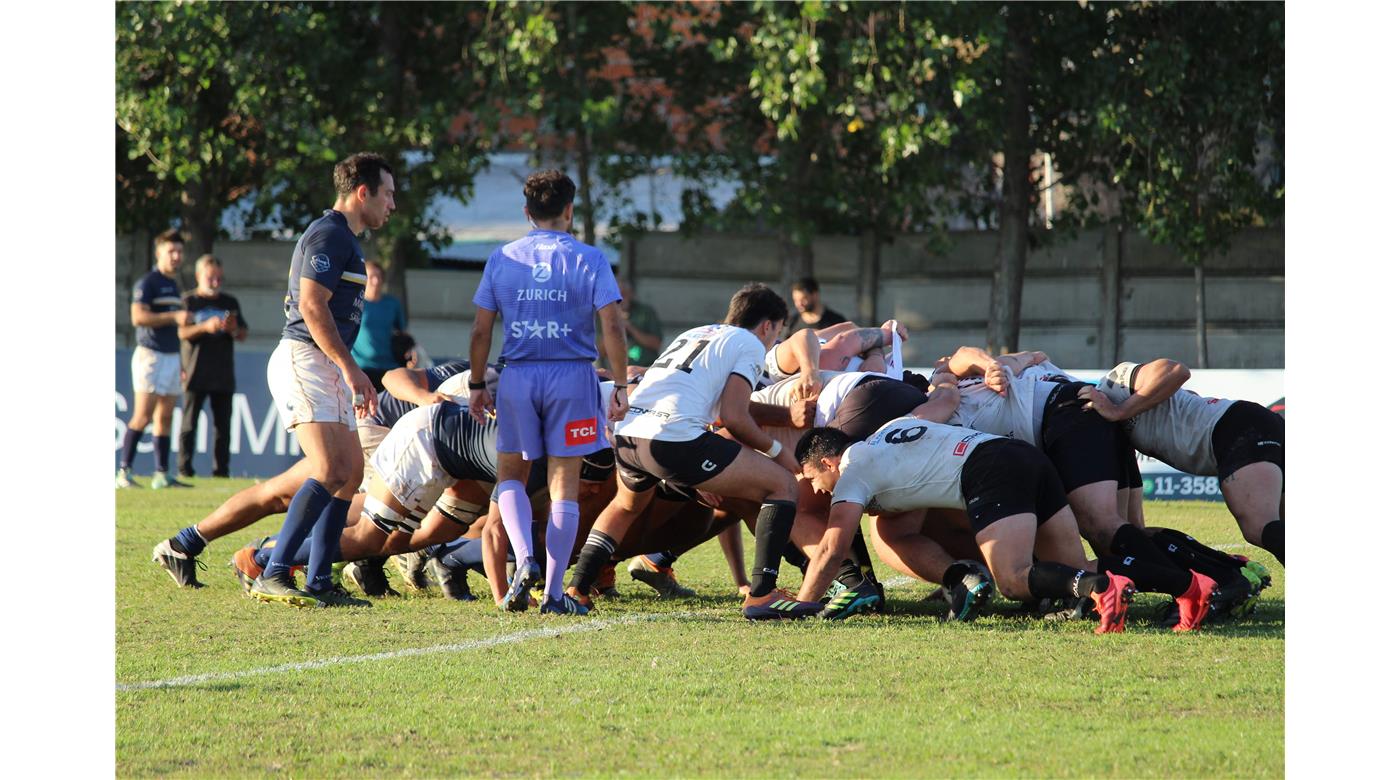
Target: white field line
(408,652)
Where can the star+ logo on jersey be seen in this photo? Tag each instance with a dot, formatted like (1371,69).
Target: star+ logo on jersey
(539,329)
(541,273)
(578,432)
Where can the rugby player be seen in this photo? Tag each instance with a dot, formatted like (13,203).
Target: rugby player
(1011,493)
(1240,442)
(546,288)
(426,487)
(706,375)
(157,311)
(1024,396)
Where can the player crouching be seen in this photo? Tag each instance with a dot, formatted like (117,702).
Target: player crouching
(1012,496)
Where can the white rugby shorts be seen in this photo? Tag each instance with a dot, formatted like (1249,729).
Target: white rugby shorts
(370,438)
(155,372)
(406,463)
(307,387)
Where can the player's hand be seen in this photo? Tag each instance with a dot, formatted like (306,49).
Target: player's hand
(711,500)
(894,326)
(788,462)
(809,384)
(744,591)
(617,404)
(997,377)
(803,412)
(363,397)
(1102,404)
(428,399)
(479,402)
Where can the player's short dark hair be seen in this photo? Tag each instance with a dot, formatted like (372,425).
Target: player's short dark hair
(360,168)
(755,304)
(547,193)
(818,443)
(171,236)
(401,343)
(807,284)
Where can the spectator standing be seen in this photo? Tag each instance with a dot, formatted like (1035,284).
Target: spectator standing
(157,312)
(206,359)
(811,312)
(382,317)
(643,327)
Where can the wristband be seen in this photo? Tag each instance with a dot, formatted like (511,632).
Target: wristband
(774,451)
(476,385)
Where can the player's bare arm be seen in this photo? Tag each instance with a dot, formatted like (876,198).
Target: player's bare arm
(1153,383)
(835,545)
(734,416)
(315,310)
(143,317)
(480,400)
(615,348)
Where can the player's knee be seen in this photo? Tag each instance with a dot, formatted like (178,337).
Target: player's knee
(1014,581)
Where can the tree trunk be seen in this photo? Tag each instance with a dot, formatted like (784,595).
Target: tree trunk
(868,279)
(1202,357)
(199,218)
(400,258)
(797,262)
(1110,294)
(1004,330)
(581,135)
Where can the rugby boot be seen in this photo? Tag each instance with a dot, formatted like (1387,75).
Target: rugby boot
(527,576)
(281,589)
(452,581)
(337,596)
(779,605)
(564,605)
(180,566)
(573,593)
(1260,571)
(662,579)
(865,597)
(1232,597)
(245,566)
(1194,604)
(160,480)
(369,577)
(970,594)
(124,479)
(1112,604)
(413,567)
(606,586)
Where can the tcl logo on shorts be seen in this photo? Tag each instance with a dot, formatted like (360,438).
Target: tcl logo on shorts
(578,432)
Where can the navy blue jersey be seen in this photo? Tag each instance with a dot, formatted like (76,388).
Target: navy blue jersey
(392,408)
(328,254)
(161,294)
(465,448)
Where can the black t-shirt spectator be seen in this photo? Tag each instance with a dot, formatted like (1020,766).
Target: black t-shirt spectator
(207,359)
(829,317)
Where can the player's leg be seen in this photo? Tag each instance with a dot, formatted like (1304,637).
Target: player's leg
(190,406)
(634,493)
(1061,570)
(142,407)
(674,522)
(902,545)
(1254,495)
(161,419)
(754,477)
(731,543)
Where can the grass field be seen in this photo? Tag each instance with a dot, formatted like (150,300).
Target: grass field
(648,688)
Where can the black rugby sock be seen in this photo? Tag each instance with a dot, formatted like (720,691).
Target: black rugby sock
(771,532)
(954,575)
(1147,576)
(1050,580)
(1273,539)
(793,555)
(850,574)
(1188,553)
(860,554)
(129,444)
(1134,548)
(162,454)
(597,552)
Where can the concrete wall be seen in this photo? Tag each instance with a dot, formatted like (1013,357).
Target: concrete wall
(1092,300)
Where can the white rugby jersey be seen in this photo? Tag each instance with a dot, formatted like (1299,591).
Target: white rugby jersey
(1176,431)
(1016,415)
(782,392)
(908,464)
(679,395)
(835,391)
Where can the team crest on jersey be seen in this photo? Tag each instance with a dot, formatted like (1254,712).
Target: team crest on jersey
(320,263)
(541,273)
(578,432)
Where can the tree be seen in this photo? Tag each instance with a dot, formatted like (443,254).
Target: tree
(1197,126)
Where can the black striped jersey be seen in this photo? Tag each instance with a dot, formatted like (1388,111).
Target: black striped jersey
(465,448)
(161,294)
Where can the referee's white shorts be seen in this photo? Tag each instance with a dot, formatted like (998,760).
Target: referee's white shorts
(157,373)
(307,387)
(406,463)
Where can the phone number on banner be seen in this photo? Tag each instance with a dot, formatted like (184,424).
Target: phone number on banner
(1178,487)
